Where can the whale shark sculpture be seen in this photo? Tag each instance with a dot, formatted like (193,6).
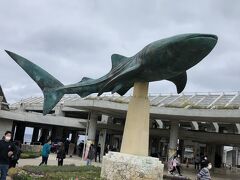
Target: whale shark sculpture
(166,59)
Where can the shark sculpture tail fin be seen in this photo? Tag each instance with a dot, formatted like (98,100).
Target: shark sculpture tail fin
(49,85)
(51,98)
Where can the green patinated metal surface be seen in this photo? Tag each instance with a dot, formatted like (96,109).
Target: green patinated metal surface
(166,59)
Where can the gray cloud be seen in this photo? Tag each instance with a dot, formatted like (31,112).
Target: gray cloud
(76,38)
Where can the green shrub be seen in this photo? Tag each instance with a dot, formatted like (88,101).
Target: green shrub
(60,172)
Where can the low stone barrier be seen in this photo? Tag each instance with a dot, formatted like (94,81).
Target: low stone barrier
(31,148)
(171,177)
(120,166)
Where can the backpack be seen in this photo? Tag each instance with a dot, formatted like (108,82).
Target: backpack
(16,154)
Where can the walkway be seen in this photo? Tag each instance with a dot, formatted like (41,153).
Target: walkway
(189,172)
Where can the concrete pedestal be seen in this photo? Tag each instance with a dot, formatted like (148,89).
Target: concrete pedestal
(133,161)
(119,166)
(136,130)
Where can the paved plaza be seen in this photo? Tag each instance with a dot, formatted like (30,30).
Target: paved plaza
(189,172)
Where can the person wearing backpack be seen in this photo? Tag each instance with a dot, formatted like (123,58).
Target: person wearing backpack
(45,152)
(5,154)
(91,154)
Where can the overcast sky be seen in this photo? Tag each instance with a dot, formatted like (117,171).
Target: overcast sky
(72,39)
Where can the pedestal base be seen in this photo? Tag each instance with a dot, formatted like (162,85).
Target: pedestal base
(120,166)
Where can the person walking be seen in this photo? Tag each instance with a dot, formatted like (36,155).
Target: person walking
(66,144)
(176,165)
(5,154)
(204,174)
(61,154)
(90,156)
(98,153)
(45,152)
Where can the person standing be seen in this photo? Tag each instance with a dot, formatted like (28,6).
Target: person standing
(45,152)
(80,148)
(107,148)
(90,156)
(66,145)
(61,154)
(204,174)
(5,154)
(98,153)
(71,149)
(197,162)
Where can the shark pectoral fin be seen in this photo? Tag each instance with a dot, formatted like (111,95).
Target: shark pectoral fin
(121,77)
(85,79)
(84,94)
(117,59)
(124,89)
(119,86)
(180,81)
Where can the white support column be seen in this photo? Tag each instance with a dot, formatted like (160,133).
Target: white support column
(194,125)
(102,135)
(102,140)
(58,110)
(238,128)
(216,126)
(92,127)
(172,148)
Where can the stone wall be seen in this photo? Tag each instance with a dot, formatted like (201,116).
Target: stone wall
(31,148)
(120,166)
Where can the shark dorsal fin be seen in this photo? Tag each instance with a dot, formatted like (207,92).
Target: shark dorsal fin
(180,81)
(117,59)
(85,79)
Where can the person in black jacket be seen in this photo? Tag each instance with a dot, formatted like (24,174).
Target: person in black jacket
(91,154)
(98,153)
(61,155)
(5,154)
(204,162)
